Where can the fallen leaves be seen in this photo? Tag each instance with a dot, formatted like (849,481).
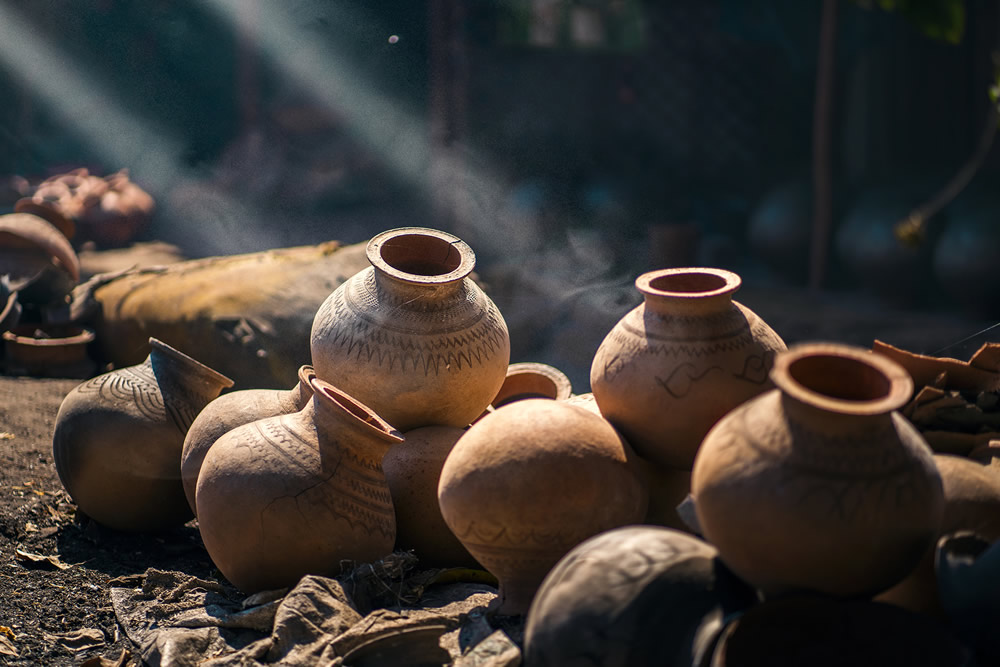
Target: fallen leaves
(7,639)
(78,640)
(29,559)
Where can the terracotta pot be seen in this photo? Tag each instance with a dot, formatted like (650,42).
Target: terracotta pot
(55,351)
(532,380)
(118,439)
(413,470)
(10,308)
(971,503)
(48,213)
(820,484)
(513,488)
(819,632)
(638,595)
(585,401)
(675,364)
(37,257)
(412,336)
(298,494)
(236,409)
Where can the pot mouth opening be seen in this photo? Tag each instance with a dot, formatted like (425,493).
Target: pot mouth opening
(354,408)
(843,379)
(688,282)
(532,380)
(421,255)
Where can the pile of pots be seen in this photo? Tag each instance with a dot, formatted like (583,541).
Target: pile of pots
(409,429)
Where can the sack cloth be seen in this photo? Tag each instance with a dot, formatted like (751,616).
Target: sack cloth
(176,619)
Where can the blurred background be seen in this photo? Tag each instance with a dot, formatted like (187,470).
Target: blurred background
(573,143)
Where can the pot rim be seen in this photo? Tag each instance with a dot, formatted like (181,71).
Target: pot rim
(82,336)
(517,373)
(355,410)
(466,256)
(210,374)
(730,282)
(897,394)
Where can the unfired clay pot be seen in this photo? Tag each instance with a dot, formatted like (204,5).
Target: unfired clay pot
(413,336)
(971,503)
(675,364)
(529,482)
(638,595)
(413,470)
(118,439)
(820,484)
(531,379)
(236,409)
(298,494)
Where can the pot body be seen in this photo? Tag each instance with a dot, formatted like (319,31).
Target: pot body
(663,596)
(514,487)
(820,485)
(298,494)
(412,336)
(675,364)
(118,439)
(413,470)
(231,410)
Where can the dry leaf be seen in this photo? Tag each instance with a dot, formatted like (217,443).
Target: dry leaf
(78,640)
(29,527)
(26,557)
(6,436)
(124,660)
(7,647)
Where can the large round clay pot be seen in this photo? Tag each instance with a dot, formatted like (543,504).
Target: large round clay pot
(971,503)
(38,258)
(820,484)
(675,364)
(638,595)
(49,350)
(529,482)
(413,336)
(298,494)
(413,470)
(236,409)
(118,439)
(811,631)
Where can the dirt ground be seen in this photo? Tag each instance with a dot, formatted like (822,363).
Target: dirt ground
(55,565)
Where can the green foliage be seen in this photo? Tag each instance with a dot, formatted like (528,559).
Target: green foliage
(938,19)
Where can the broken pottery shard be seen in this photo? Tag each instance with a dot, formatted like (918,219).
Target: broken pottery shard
(961,375)
(497,650)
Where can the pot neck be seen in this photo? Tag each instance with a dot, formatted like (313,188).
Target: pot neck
(355,425)
(418,261)
(171,367)
(409,291)
(299,396)
(688,291)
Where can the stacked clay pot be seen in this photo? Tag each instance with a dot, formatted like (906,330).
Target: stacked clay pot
(236,409)
(676,364)
(530,481)
(413,470)
(638,595)
(118,439)
(530,379)
(819,484)
(299,493)
(413,336)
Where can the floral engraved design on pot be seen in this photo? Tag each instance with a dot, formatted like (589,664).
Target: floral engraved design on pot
(756,368)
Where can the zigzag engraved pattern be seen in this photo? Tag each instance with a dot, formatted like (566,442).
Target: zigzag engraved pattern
(362,502)
(407,349)
(632,349)
(365,299)
(498,537)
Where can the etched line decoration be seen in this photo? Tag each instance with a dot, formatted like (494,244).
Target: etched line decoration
(683,378)
(135,385)
(757,368)
(400,348)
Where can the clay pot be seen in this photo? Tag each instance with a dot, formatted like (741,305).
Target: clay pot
(413,470)
(675,364)
(236,409)
(820,484)
(54,351)
(48,213)
(779,228)
(638,595)
(532,380)
(298,494)
(971,503)
(585,401)
(118,439)
(819,632)
(38,258)
(514,488)
(412,336)
(10,308)
(968,568)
